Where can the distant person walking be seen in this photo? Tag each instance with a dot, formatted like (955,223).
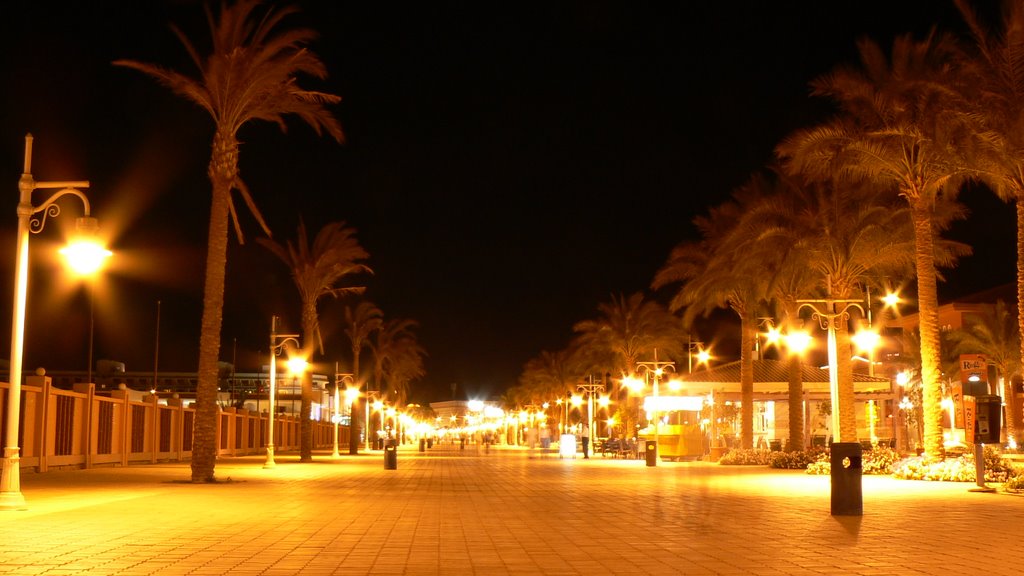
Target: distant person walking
(586,441)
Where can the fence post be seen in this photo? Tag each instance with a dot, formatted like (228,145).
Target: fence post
(90,426)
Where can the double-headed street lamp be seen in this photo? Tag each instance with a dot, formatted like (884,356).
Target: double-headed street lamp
(590,386)
(833,311)
(654,371)
(277,345)
(88,254)
(350,395)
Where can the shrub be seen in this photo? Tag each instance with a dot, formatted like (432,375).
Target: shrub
(1014,483)
(879,460)
(958,469)
(794,460)
(744,457)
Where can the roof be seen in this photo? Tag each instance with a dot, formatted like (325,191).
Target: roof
(772,376)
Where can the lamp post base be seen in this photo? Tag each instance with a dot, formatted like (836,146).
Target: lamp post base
(11,497)
(270,457)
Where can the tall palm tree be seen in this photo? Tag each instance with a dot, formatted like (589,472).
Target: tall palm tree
(250,74)
(317,271)
(360,322)
(999,62)
(715,276)
(992,331)
(902,125)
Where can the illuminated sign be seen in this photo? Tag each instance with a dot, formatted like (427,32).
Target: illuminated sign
(672,403)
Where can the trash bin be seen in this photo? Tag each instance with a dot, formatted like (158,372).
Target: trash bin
(391,455)
(423,444)
(651,452)
(847,499)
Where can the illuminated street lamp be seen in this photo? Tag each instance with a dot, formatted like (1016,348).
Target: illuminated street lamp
(834,311)
(11,497)
(654,371)
(590,387)
(339,380)
(277,345)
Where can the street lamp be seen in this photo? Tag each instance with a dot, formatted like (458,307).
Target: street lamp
(834,311)
(277,344)
(654,370)
(590,387)
(340,379)
(11,497)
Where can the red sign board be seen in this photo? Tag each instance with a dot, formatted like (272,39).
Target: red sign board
(970,411)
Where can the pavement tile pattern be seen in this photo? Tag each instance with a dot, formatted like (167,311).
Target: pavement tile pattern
(449,511)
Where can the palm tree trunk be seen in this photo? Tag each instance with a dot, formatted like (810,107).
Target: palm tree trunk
(1013,423)
(353,421)
(222,171)
(309,324)
(748,329)
(794,369)
(794,373)
(928,304)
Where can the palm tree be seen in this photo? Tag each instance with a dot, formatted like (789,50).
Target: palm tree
(393,341)
(317,270)
(902,126)
(999,61)
(993,332)
(360,323)
(550,374)
(250,74)
(628,328)
(715,276)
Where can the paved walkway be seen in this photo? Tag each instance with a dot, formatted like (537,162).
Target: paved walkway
(460,513)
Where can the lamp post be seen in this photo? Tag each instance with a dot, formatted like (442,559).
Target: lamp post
(277,344)
(654,371)
(835,310)
(340,379)
(11,497)
(590,387)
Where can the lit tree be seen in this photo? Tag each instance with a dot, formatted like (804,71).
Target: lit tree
(902,125)
(250,74)
(360,323)
(317,269)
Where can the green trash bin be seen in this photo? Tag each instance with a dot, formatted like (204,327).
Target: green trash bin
(847,468)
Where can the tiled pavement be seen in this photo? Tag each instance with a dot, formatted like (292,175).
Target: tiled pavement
(463,512)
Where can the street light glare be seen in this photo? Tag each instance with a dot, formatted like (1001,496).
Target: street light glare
(866,340)
(798,341)
(85,257)
(297,365)
(891,299)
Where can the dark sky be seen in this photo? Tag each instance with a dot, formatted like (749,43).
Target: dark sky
(508,165)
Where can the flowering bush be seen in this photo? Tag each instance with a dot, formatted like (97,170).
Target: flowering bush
(959,469)
(879,460)
(1015,483)
(794,460)
(744,457)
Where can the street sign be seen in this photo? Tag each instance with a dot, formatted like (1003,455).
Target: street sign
(973,368)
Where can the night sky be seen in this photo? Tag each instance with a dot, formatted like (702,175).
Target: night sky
(508,165)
